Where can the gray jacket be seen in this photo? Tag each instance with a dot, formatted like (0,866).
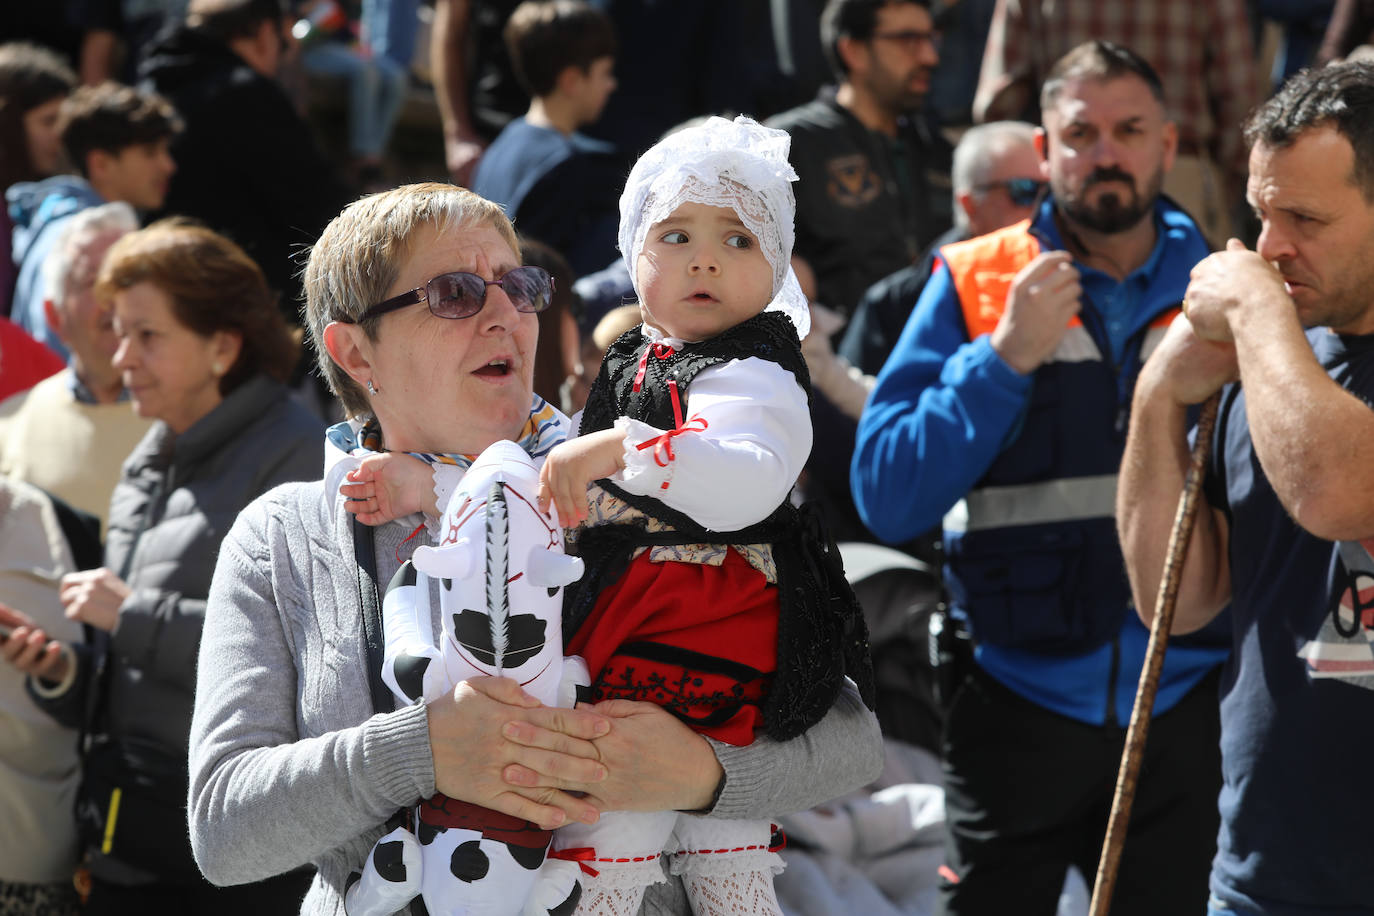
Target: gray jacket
(176,499)
(289,762)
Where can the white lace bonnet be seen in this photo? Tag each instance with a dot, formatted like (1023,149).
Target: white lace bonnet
(738,164)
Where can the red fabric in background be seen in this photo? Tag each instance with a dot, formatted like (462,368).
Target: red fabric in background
(24,362)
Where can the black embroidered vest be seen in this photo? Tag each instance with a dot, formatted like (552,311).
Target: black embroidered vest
(821,631)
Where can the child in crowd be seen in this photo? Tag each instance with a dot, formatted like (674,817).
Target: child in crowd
(556,183)
(706,591)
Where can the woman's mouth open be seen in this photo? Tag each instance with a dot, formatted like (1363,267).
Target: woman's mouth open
(496,368)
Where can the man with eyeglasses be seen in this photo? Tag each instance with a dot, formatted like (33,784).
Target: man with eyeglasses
(1003,409)
(873,172)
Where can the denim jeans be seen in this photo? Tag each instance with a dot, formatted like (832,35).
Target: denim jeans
(376,89)
(389,28)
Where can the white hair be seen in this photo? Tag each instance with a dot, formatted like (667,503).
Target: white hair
(977,153)
(73,237)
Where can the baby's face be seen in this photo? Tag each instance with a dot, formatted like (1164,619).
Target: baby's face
(701,272)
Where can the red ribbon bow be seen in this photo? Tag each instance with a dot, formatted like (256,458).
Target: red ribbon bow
(580,854)
(658,349)
(663,445)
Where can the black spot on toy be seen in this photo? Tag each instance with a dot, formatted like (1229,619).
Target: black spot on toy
(527,857)
(469,862)
(389,862)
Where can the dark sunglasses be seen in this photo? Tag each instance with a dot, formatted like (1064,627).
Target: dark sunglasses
(1022,191)
(461,294)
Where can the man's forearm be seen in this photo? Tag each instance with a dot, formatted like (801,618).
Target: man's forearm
(1151,482)
(446,62)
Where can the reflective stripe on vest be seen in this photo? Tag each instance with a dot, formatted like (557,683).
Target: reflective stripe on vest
(1076,346)
(1065,500)
(1156,333)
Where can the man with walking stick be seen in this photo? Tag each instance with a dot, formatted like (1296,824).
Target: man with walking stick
(1284,538)
(1003,409)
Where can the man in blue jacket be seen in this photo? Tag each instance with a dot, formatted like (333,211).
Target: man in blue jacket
(1003,409)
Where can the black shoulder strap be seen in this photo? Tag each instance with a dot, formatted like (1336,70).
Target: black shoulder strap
(383,700)
(364,552)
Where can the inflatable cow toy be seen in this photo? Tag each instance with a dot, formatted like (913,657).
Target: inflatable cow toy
(501,568)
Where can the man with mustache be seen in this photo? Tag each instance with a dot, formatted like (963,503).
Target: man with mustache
(873,187)
(1284,538)
(1003,408)
(1203,52)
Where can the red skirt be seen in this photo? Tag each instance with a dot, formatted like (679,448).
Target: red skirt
(700,641)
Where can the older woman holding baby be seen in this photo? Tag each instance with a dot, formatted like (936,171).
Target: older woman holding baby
(425,324)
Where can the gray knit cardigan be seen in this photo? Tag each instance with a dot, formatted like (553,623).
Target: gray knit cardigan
(290,766)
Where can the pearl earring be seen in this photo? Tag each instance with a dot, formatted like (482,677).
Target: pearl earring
(216,369)
(371,388)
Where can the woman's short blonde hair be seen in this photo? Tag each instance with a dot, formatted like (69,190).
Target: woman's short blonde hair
(360,253)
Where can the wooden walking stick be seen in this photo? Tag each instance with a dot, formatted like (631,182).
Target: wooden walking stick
(1165,602)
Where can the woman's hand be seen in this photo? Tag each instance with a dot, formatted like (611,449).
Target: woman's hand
(489,726)
(388,486)
(654,762)
(29,649)
(93,596)
(574,464)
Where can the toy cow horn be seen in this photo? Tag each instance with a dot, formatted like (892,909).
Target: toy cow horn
(551,569)
(447,561)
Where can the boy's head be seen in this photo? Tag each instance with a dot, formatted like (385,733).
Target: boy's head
(563,46)
(706,229)
(118,136)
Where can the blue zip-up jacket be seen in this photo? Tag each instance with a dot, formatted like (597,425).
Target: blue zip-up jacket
(1023,471)
(38,209)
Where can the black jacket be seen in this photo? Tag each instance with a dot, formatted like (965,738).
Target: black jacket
(247,163)
(864,210)
(135,687)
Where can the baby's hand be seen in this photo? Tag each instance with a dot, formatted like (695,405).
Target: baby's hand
(574,464)
(388,486)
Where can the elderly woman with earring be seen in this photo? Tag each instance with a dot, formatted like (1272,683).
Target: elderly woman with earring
(203,350)
(424,321)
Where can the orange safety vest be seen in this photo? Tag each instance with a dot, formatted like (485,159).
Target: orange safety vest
(982,269)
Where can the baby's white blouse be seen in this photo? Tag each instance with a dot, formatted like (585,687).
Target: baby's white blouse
(742,465)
